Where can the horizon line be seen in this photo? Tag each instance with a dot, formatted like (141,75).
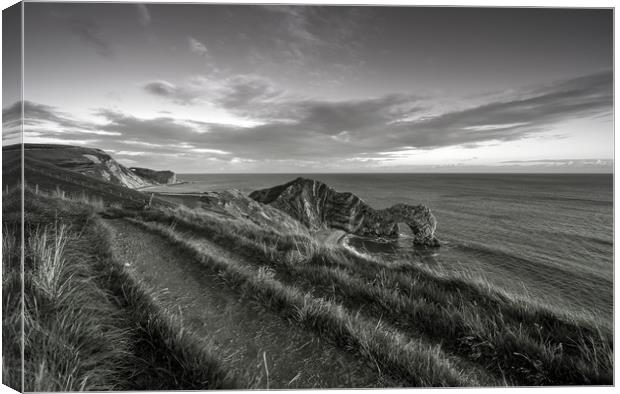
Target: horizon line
(396,173)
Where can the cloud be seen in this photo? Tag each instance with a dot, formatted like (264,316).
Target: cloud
(524,114)
(258,98)
(160,88)
(293,127)
(244,90)
(198,47)
(39,114)
(358,115)
(12,121)
(247,94)
(312,37)
(144,16)
(563,162)
(90,33)
(201,50)
(374,130)
(178,95)
(295,21)
(44,123)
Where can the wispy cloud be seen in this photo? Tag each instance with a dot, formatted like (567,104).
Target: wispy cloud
(48,119)
(306,35)
(198,47)
(236,93)
(563,162)
(258,98)
(90,33)
(296,23)
(144,16)
(514,118)
(374,130)
(167,90)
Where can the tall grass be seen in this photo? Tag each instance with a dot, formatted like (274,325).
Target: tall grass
(165,355)
(91,325)
(72,337)
(513,338)
(11,307)
(88,324)
(95,202)
(415,361)
(214,225)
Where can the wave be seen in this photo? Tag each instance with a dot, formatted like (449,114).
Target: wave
(345,243)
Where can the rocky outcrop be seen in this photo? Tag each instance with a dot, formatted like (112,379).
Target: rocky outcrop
(155,177)
(237,205)
(87,161)
(318,206)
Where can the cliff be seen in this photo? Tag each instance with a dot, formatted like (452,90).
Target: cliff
(156,177)
(318,206)
(87,161)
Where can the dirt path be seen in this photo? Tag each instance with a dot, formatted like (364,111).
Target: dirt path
(333,238)
(256,344)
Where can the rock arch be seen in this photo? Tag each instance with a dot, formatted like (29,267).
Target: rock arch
(419,218)
(318,206)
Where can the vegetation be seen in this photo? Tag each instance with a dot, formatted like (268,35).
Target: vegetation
(418,363)
(518,340)
(90,324)
(11,292)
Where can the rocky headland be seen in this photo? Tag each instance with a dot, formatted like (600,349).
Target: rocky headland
(319,206)
(95,163)
(155,177)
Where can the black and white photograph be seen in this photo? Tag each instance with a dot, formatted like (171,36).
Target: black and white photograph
(202,196)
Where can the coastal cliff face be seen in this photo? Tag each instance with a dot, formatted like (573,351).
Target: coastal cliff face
(155,177)
(318,206)
(88,161)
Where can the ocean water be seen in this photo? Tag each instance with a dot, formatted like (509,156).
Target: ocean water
(549,236)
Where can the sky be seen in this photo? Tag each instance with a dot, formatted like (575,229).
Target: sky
(204,88)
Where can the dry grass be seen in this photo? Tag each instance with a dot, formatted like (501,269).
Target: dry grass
(414,361)
(517,339)
(89,325)
(11,307)
(92,326)
(73,341)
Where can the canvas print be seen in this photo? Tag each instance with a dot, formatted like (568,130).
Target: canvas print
(227,196)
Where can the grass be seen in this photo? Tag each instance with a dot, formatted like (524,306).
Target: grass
(516,339)
(11,294)
(414,361)
(165,355)
(91,325)
(74,340)
(88,324)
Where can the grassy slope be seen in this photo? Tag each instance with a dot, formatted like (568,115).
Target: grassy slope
(418,325)
(265,348)
(11,291)
(89,325)
(48,177)
(410,360)
(515,339)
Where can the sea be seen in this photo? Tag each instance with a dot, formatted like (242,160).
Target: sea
(546,236)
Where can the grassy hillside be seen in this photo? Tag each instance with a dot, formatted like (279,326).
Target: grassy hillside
(83,160)
(11,290)
(92,323)
(88,324)
(517,340)
(47,177)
